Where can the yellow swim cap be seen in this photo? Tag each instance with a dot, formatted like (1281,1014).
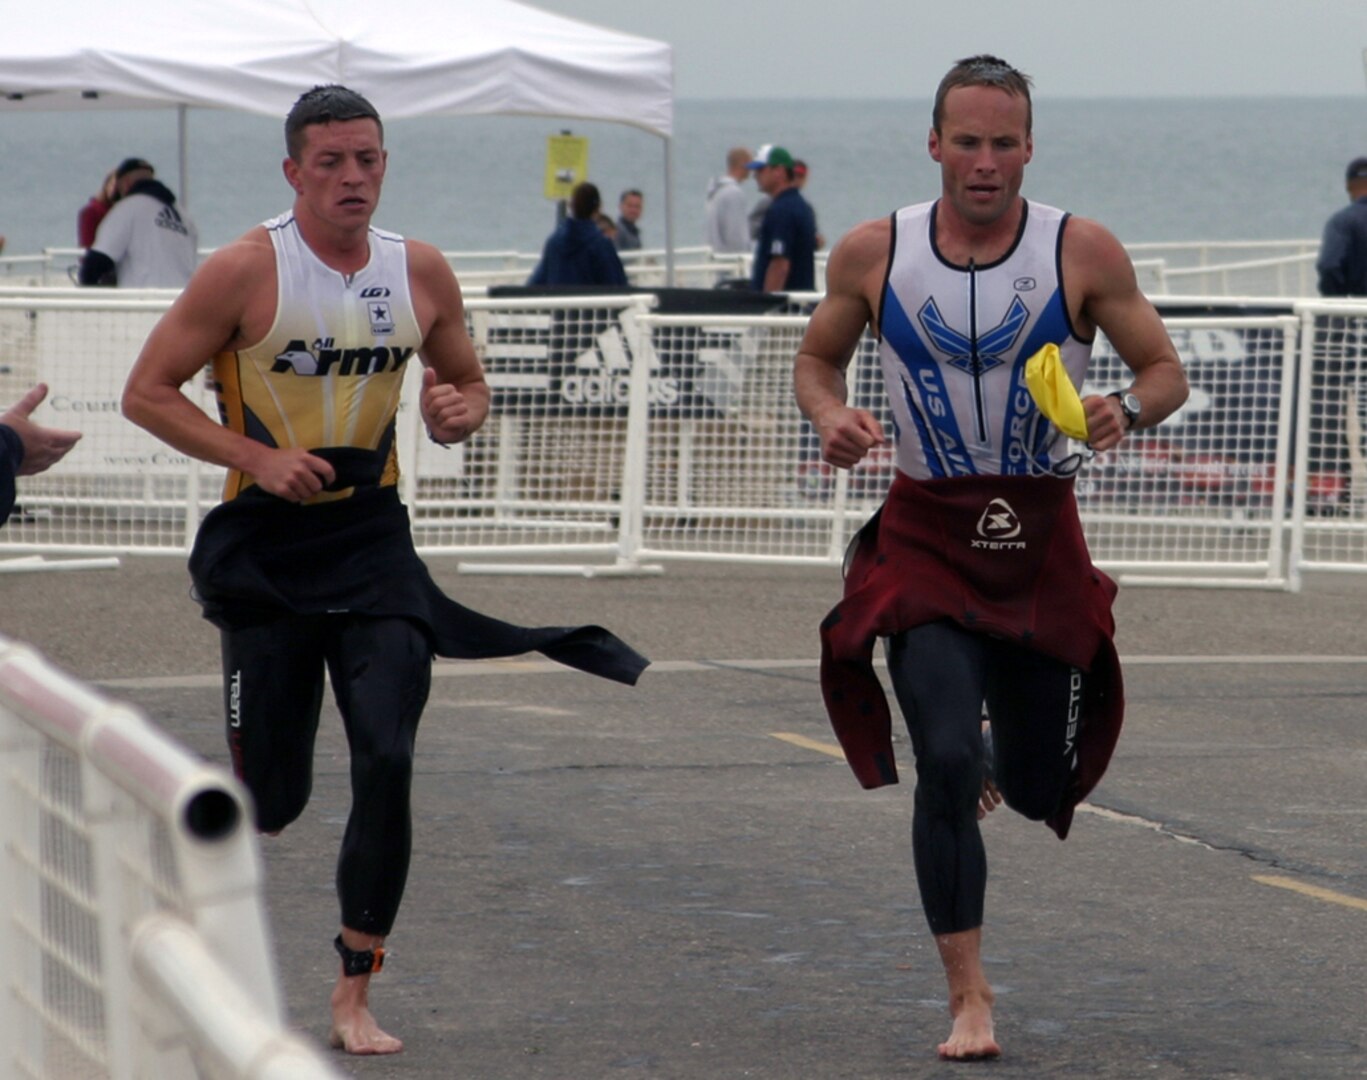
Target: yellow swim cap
(1052,388)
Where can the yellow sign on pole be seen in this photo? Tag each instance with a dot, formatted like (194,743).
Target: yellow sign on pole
(567,164)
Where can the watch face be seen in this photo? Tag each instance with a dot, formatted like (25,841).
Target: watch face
(1129,405)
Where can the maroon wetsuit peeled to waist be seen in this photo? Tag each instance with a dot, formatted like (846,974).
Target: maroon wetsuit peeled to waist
(997,555)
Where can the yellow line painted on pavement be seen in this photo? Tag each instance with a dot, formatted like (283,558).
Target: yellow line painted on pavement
(1327,895)
(810,744)
(1313,891)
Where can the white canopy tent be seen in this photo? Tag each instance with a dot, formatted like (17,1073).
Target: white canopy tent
(409,57)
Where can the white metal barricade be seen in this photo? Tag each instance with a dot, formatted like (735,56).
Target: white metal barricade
(549,474)
(120,489)
(1329,514)
(734,472)
(1201,499)
(134,941)
(619,436)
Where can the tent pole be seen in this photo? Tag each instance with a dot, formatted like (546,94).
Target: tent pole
(182,138)
(669,210)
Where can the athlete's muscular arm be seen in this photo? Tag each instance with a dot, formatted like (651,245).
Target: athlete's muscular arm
(229,303)
(853,277)
(455,397)
(1099,272)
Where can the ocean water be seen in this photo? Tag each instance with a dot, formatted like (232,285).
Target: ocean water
(1151,170)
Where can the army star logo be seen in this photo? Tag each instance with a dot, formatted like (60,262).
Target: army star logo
(381,321)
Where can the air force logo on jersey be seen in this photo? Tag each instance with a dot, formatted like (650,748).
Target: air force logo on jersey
(974,357)
(324,358)
(999,528)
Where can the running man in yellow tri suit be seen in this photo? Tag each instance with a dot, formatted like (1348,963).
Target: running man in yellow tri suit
(309,563)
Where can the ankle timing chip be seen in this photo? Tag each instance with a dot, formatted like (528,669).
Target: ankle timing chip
(358,961)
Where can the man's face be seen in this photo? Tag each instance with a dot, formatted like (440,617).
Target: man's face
(982,147)
(630,208)
(771,178)
(340,171)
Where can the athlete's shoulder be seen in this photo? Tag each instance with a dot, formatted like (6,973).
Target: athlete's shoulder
(859,260)
(235,278)
(250,254)
(426,262)
(1089,246)
(867,243)
(423,251)
(430,277)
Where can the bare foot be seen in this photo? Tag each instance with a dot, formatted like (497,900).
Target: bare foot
(354,1029)
(970,997)
(971,1037)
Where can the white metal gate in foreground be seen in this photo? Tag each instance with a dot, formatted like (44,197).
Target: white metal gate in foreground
(133,940)
(620,436)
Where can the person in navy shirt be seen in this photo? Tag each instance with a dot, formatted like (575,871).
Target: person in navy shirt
(1342,262)
(785,253)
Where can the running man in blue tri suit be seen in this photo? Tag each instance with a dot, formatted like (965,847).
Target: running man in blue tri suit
(975,571)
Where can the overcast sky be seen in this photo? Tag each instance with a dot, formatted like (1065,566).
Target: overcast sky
(1072,48)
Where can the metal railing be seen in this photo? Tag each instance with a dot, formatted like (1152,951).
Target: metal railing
(134,941)
(621,435)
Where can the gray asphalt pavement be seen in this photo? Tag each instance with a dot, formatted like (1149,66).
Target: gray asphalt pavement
(681,880)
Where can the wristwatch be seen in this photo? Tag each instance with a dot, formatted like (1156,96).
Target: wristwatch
(1129,405)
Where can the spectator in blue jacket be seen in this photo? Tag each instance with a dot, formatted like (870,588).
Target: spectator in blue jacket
(578,253)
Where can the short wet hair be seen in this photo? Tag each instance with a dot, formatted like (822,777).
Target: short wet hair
(329,104)
(983,70)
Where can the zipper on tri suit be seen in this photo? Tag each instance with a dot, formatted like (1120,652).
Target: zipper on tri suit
(975,361)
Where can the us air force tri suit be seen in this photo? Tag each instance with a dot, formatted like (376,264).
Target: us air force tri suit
(975,569)
(336,583)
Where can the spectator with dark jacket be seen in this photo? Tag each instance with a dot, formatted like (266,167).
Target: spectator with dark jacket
(578,253)
(26,448)
(1342,260)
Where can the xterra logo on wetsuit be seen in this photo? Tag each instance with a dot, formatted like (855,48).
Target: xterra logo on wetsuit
(324,358)
(998,528)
